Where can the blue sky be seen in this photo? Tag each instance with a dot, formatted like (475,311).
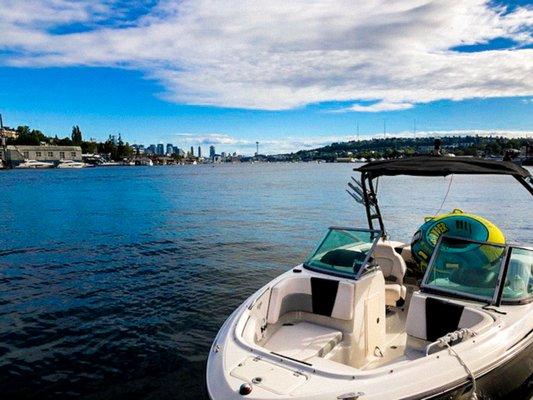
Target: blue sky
(290,77)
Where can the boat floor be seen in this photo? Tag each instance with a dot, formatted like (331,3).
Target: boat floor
(395,349)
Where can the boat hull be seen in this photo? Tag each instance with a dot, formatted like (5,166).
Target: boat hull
(506,372)
(35,167)
(511,380)
(70,166)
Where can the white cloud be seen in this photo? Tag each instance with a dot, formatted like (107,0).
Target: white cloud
(278,55)
(207,139)
(381,106)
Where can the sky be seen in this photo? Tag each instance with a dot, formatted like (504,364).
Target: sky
(291,75)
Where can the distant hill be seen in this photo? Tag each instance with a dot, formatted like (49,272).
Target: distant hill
(482,146)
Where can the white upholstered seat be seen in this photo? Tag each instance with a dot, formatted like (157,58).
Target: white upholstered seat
(394,293)
(393,267)
(421,322)
(295,294)
(303,340)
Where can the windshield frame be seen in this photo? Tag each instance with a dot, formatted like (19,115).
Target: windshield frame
(498,289)
(364,264)
(508,255)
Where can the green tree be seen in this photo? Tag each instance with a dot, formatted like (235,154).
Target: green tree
(23,130)
(29,137)
(89,147)
(76,135)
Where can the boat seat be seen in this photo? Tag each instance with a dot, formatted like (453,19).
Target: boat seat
(393,267)
(314,295)
(430,318)
(303,340)
(394,294)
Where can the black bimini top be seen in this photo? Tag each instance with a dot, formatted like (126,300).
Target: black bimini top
(365,193)
(442,166)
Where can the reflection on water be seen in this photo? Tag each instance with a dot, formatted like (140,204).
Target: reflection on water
(113,282)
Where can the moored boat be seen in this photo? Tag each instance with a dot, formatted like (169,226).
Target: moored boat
(351,323)
(34,164)
(63,164)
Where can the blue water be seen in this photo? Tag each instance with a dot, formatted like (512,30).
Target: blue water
(114,281)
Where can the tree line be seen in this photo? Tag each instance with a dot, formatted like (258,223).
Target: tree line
(392,147)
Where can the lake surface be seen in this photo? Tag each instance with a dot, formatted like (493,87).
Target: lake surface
(114,281)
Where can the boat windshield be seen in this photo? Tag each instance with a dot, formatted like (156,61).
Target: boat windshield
(464,267)
(518,285)
(343,251)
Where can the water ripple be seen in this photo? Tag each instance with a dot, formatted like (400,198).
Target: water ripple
(114,282)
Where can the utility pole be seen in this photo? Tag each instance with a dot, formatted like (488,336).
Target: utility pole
(3,140)
(2,137)
(256,148)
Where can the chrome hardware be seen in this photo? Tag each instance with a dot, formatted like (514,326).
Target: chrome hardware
(350,396)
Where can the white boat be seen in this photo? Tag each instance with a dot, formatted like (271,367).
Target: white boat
(71,164)
(33,164)
(349,323)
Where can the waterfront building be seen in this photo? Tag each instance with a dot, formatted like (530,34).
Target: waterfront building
(199,152)
(14,154)
(141,149)
(160,149)
(212,152)
(8,133)
(192,151)
(170,149)
(180,152)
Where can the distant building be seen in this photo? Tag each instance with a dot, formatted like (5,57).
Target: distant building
(151,149)
(160,149)
(223,155)
(180,152)
(170,149)
(212,152)
(8,133)
(192,151)
(137,149)
(14,155)
(199,152)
